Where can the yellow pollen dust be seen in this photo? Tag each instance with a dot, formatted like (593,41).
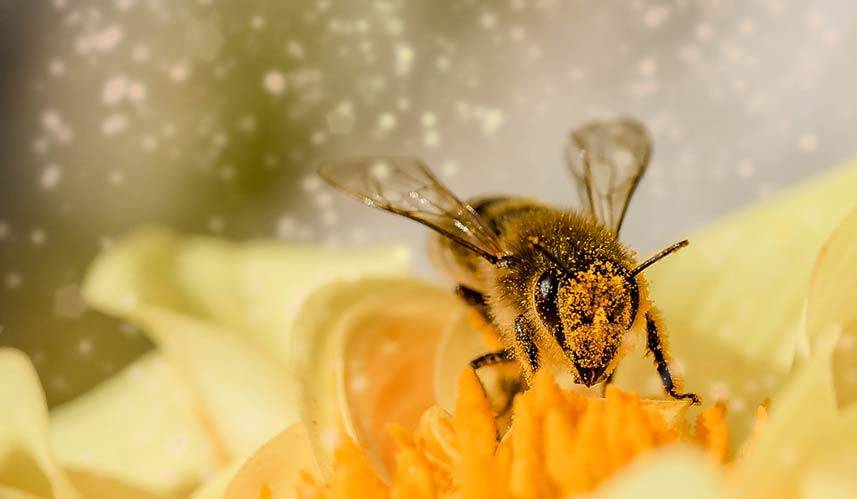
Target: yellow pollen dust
(560,443)
(595,310)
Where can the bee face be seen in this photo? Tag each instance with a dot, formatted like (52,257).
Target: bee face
(588,311)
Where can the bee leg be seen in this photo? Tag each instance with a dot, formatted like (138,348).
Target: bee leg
(475,299)
(507,387)
(510,388)
(607,383)
(489,359)
(524,337)
(655,345)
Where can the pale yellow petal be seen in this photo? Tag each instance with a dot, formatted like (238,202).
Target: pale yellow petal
(664,474)
(215,488)
(94,485)
(365,356)
(831,304)
(27,462)
(257,287)
(221,312)
(833,477)
(803,427)
(241,392)
(252,288)
(732,301)
(459,344)
(275,469)
(145,411)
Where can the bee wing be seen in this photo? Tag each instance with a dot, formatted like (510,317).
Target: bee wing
(607,160)
(406,187)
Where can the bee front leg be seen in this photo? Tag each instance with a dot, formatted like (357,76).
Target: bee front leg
(655,345)
(525,338)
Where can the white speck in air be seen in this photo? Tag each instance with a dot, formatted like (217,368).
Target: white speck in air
(404,59)
(387,121)
(808,142)
(13,280)
(274,82)
(655,16)
(51,176)
(38,237)
(179,72)
(114,124)
(341,119)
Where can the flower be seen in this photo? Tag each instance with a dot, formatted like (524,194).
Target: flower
(181,419)
(561,443)
(262,342)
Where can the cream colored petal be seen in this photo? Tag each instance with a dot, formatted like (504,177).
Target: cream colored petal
(832,477)
(804,433)
(215,488)
(365,353)
(27,463)
(831,305)
(275,468)
(241,392)
(252,288)
(221,314)
(664,474)
(808,444)
(459,344)
(732,301)
(138,428)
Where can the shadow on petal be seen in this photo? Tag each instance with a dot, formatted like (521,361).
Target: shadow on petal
(364,356)
(832,305)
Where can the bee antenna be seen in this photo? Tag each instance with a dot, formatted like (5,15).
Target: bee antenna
(534,241)
(664,252)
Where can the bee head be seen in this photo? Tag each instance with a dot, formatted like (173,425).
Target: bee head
(588,311)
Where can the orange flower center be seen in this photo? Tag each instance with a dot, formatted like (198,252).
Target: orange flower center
(560,443)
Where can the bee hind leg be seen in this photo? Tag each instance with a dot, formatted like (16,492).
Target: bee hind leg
(654,344)
(491,358)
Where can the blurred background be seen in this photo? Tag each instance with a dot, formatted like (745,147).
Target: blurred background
(208,115)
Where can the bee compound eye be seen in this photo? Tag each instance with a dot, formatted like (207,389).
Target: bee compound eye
(547,287)
(547,290)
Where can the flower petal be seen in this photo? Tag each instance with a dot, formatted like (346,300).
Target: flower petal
(253,289)
(27,463)
(221,313)
(145,411)
(365,354)
(831,305)
(664,474)
(732,301)
(276,467)
(804,432)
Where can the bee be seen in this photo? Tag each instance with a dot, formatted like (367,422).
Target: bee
(558,285)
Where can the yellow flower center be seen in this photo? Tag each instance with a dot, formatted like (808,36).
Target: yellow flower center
(560,443)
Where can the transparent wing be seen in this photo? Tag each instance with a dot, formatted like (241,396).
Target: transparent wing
(607,160)
(405,186)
